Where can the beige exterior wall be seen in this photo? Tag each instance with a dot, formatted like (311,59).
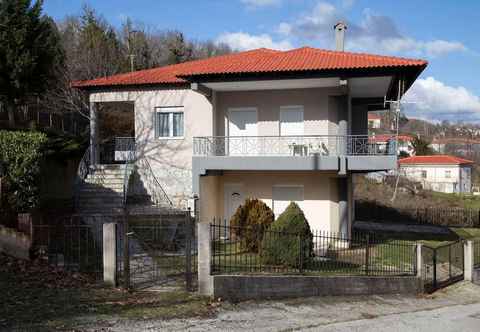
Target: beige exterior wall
(318,112)
(320,203)
(170,159)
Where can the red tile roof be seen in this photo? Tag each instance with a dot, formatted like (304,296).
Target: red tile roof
(256,61)
(435,160)
(373,116)
(386,138)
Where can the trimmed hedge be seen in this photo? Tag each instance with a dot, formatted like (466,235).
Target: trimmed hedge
(250,222)
(20,154)
(288,238)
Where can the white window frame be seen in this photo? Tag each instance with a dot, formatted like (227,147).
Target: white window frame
(170,110)
(422,172)
(448,174)
(239,109)
(285,108)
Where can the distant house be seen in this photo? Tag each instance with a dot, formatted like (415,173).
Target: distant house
(404,142)
(442,173)
(374,121)
(459,144)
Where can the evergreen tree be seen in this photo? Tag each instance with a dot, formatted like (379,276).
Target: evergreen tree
(30,52)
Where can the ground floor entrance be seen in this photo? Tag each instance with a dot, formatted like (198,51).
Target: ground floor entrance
(322,196)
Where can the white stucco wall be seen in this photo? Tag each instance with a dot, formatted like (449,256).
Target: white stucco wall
(170,159)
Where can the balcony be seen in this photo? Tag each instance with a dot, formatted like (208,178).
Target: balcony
(334,154)
(292,146)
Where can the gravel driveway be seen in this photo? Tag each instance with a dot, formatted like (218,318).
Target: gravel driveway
(454,309)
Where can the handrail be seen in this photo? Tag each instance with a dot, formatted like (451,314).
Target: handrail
(129,163)
(294,145)
(155,188)
(82,172)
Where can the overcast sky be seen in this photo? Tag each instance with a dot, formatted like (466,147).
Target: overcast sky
(444,32)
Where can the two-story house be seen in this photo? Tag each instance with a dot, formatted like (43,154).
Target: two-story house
(280,126)
(443,173)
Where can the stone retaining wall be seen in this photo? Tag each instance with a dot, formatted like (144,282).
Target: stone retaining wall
(236,287)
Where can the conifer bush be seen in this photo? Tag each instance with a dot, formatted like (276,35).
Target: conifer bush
(250,222)
(289,240)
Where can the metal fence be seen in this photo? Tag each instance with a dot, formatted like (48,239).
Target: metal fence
(324,145)
(476,254)
(162,250)
(75,242)
(442,265)
(321,253)
(370,211)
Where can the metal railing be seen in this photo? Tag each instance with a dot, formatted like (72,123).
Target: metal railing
(476,254)
(82,172)
(158,195)
(324,145)
(322,253)
(116,151)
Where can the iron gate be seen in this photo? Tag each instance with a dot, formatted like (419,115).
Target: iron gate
(161,251)
(443,265)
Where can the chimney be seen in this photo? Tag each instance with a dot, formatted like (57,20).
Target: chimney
(340,28)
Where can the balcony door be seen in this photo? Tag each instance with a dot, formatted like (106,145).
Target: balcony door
(292,125)
(242,131)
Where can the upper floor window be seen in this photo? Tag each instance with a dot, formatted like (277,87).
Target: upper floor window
(169,122)
(424,174)
(448,174)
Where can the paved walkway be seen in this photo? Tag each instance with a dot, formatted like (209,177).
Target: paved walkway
(454,309)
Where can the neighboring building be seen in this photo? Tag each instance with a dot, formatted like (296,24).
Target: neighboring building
(441,173)
(462,146)
(280,126)
(374,121)
(404,142)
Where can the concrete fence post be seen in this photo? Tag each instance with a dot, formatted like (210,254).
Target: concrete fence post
(468,260)
(420,266)
(205,279)
(110,254)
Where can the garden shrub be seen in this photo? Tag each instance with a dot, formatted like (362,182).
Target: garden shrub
(281,244)
(250,222)
(20,154)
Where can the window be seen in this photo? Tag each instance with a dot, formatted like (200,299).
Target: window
(448,174)
(291,121)
(424,174)
(168,122)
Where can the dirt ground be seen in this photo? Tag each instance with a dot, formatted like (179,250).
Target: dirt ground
(366,313)
(36,299)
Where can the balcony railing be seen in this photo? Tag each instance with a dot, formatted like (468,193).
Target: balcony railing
(324,145)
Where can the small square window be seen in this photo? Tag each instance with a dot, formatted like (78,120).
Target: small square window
(424,174)
(169,122)
(448,174)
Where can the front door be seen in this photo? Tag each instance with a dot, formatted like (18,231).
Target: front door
(242,123)
(234,197)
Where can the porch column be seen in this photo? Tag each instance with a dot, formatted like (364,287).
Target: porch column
(94,153)
(343,207)
(343,115)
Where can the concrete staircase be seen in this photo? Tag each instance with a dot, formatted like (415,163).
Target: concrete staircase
(102,190)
